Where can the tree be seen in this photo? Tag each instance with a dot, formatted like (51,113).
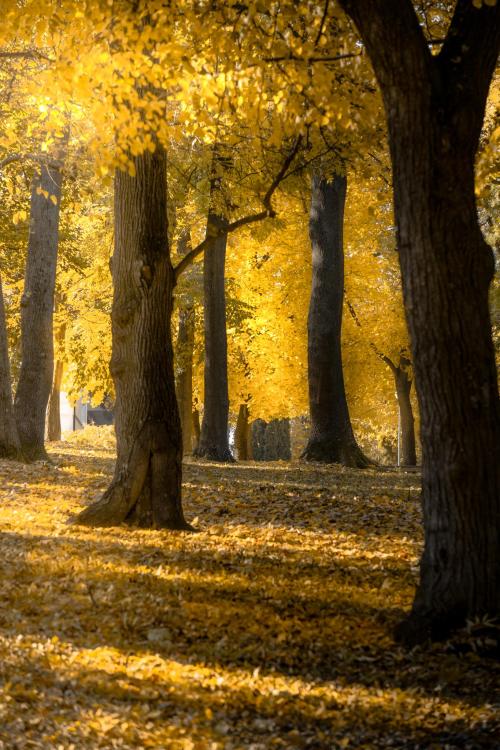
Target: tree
(435,106)
(37,305)
(146,488)
(184,357)
(331,438)
(9,440)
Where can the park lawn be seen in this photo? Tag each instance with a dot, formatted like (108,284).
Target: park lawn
(269,628)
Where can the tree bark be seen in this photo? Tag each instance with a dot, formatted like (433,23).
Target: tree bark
(277,440)
(331,438)
(435,108)
(196,429)
(241,439)
(214,439)
(9,440)
(184,354)
(146,488)
(403,381)
(37,305)
(54,409)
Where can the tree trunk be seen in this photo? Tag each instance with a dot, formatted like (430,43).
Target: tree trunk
(146,488)
(435,107)
(214,439)
(54,410)
(241,434)
(258,435)
(37,306)
(277,440)
(331,438)
(407,422)
(184,354)
(9,441)
(196,429)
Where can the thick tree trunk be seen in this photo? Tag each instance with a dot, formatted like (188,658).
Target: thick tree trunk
(9,441)
(331,439)
(241,438)
(37,305)
(214,439)
(435,107)
(406,419)
(146,488)
(258,435)
(184,355)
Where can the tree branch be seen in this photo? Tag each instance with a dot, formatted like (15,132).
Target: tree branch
(377,351)
(267,213)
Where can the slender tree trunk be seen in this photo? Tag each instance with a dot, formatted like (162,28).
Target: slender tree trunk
(214,439)
(146,488)
(407,422)
(196,429)
(331,438)
(435,107)
(37,306)
(184,354)
(241,439)
(277,440)
(9,441)
(54,409)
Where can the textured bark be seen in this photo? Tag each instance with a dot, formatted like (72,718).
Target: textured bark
(9,441)
(214,438)
(184,356)
(403,383)
(146,488)
(277,440)
(196,429)
(435,107)
(37,305)
(331,438)
(258,435)
(54,408)
(241,435)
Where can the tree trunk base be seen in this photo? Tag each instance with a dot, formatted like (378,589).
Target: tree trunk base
(220,455)
(332,452)
(417,629)
(146,491)
(11,453)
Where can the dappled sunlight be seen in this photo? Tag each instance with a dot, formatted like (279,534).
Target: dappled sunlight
(245,634)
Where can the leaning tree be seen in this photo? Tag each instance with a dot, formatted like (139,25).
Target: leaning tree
(435,107)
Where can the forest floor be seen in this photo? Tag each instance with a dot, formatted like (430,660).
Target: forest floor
(270,628)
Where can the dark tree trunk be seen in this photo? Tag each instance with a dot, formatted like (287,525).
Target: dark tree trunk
(403,383)
(214,439)
(435,107)
(37,306)
(146,488)
(331,439)
(258,439)
(184,355)
(277,440)
(196,429)
(241,438)
(9,441)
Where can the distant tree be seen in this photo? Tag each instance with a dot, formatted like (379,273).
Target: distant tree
(331,438)
(435,107)
(37,307)
(9,441)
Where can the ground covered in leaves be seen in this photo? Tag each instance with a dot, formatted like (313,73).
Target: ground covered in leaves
(270,628)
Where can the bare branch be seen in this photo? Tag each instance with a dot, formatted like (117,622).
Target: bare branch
(268,212)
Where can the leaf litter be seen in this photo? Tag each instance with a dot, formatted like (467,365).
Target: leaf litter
(269,628)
